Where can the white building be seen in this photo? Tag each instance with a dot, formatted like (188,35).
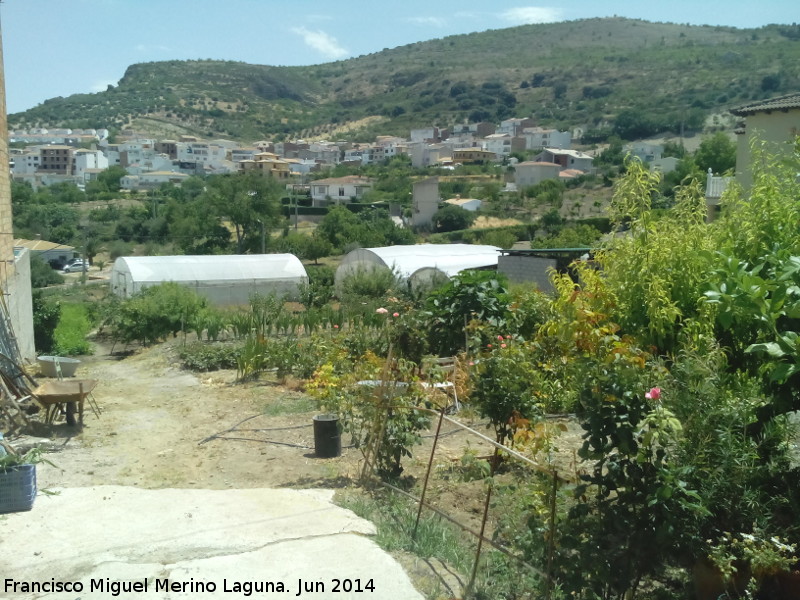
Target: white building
(85,160)
(502,144)
(427,134)
(514,126)
(152,180)
(664,165)
(470,204)
(537,138)
(567,159)
(531,173)
(27,163)
(339,190)
(644,151)
(204,154)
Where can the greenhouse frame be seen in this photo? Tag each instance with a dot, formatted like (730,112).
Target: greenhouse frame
(223,280)
(421,264)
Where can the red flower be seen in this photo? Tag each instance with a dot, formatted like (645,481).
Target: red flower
(653,394)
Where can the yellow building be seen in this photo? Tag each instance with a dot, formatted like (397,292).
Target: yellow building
(465,156)
(775,121)
(266,164)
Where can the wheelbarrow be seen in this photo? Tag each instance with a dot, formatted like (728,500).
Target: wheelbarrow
(71,394)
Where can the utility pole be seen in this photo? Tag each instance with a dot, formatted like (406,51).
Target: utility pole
(296,200)
(263,237)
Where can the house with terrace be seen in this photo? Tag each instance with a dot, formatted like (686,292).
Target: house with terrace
(567,159)
(339,190)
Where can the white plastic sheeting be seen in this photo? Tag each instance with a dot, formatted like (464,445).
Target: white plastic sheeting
(423,262)
(224,280)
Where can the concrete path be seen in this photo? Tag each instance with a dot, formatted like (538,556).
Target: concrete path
(138,544)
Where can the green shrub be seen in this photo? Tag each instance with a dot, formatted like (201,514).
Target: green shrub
(367,283)
(506,387)
(43,274)
(156,312)
(479,296)
(46,314)
(210,357)
(452,218)
(319,289)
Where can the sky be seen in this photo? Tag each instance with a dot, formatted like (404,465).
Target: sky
(60,47)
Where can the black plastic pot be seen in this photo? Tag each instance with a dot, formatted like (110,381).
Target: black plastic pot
(327,438)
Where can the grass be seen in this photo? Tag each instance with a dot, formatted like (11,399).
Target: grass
(498,576)
(289,404)
(71,331)
(394,518)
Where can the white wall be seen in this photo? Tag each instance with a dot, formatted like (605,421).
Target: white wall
(20,304)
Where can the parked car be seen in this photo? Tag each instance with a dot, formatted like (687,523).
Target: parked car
(76,266)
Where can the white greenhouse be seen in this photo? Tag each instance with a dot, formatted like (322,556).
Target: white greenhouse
(223,280)
(419,264)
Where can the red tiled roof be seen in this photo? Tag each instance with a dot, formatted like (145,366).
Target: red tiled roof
(779,103)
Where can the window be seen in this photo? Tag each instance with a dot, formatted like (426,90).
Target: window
(341,191)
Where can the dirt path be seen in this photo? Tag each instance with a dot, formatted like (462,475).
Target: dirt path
(155,416)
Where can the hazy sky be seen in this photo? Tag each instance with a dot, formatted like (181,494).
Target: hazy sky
(62,47)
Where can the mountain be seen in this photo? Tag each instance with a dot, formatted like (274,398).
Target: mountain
(628,76)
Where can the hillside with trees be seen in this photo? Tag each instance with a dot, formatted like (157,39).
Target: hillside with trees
(617,76)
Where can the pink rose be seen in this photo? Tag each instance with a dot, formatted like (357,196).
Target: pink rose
(502,345)
(336,327)
(653,394)
(395,314)
(381,311)
(500,338)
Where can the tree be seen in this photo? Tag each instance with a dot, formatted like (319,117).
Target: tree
(452,218)
(316,248)
(111,177)
(717,153)
(632,124)
(248,201)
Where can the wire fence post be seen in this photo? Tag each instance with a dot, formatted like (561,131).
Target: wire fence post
(382,416)
(552,541)
(428,473)
(495,459)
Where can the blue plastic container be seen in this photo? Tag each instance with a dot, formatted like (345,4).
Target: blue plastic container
(17,488)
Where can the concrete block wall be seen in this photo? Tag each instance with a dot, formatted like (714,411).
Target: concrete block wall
(20,305)
(527,269)
(15,274)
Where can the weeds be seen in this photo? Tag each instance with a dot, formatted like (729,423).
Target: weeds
(71,331)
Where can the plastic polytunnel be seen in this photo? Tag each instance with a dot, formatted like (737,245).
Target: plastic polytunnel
(223,280)
(419,264)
